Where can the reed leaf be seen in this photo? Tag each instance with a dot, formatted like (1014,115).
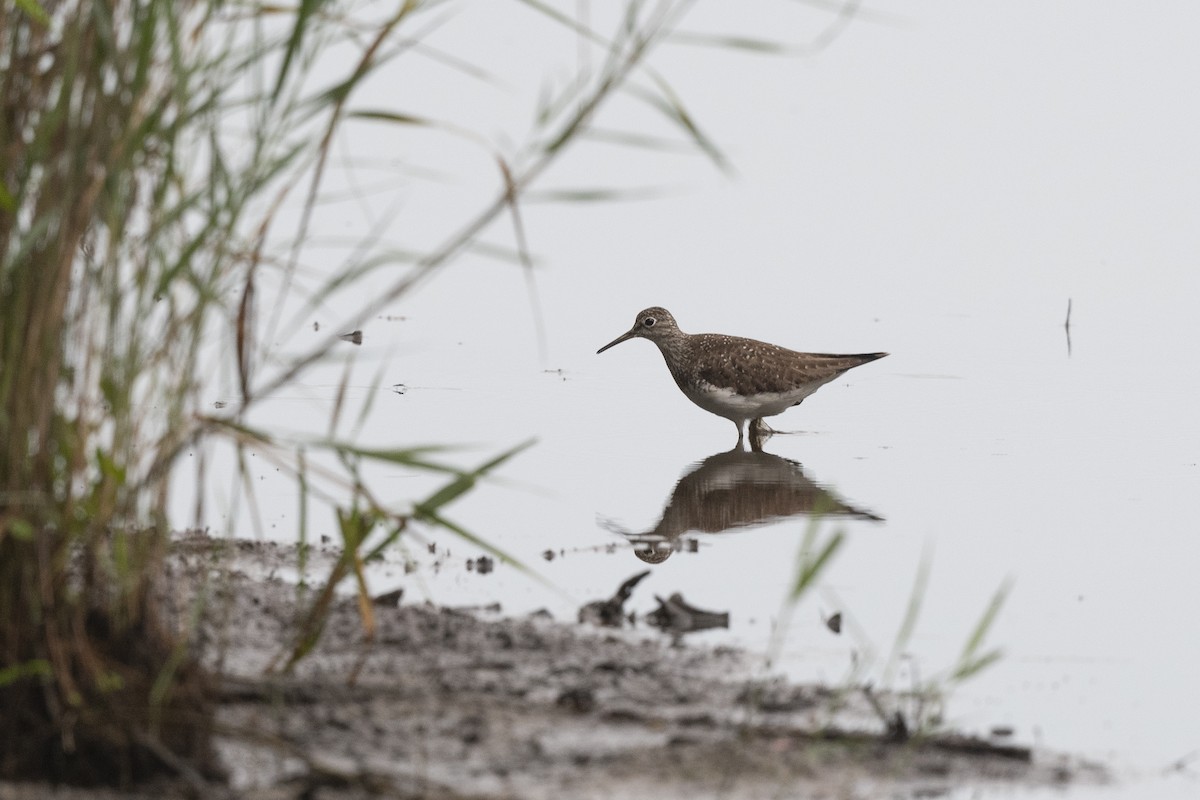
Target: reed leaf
(970,661)
(666,102)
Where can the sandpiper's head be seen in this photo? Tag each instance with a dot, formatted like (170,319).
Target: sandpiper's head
(654,324)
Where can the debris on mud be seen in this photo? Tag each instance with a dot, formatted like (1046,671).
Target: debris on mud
(677,617)
(610,613)
(445,704)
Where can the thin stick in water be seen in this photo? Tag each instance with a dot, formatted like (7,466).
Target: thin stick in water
(1067,327)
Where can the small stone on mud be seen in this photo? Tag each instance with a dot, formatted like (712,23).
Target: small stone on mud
(537,709)
(389,599)
(483,565)
(473,729)
(580,699)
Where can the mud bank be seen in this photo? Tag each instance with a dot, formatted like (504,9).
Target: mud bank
(443,703)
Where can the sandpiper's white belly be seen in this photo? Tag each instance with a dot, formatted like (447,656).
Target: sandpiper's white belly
(739,408)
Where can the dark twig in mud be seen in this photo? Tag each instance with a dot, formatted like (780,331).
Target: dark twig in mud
(197,786)
(895,724)
(947,743)
(610,613)
(677,617)
(447,701)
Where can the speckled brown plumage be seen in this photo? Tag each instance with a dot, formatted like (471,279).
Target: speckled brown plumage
(750,367)
(737,378)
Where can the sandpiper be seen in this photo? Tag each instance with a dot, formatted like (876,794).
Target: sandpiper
(738,379)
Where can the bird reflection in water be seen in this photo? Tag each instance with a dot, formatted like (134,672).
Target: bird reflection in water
(736,489)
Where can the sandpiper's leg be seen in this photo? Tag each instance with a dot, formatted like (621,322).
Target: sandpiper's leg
(739,427)
(757,434)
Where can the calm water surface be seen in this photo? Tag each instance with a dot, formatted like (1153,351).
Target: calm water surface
(937,189)
(994,453)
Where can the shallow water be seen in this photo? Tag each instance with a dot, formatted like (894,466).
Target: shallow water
(1085,506)
(937,188)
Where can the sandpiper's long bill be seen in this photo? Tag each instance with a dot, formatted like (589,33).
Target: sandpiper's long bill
(738,379)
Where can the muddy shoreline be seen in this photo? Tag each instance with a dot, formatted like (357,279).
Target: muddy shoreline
(446,703)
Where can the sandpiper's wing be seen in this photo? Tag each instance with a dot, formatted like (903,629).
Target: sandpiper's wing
(751,367)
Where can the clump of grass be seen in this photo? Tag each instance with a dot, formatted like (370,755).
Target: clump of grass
(918,708)
(97,348)
(904,712)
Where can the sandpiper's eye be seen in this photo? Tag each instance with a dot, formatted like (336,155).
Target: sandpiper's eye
(648,322)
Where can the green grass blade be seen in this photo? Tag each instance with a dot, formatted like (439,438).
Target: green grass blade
(637,140)
(595,195)
(372,394)
(463,483)
(666,102)
(911,613)
(35,10)
(36,668)
(970,668)
(746,43)
(975,641)
(404,457)
(567,22)
(302,486)
(303,16)
(392,116)
(812,568)
(458,530)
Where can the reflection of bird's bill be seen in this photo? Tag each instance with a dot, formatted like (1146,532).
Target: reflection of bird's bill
(611,526)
